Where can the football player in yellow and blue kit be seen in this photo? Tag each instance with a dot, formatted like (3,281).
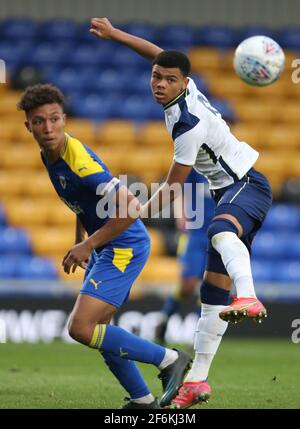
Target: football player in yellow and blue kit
(84,183)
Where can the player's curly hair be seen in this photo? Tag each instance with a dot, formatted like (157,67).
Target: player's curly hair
(38,95)
(172,59)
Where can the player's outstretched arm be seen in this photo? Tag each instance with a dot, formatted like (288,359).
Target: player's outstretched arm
(102,28)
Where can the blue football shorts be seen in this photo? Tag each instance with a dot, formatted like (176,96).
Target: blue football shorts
(111,272)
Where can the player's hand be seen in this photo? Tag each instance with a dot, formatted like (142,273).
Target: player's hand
(102,27)
(78,255)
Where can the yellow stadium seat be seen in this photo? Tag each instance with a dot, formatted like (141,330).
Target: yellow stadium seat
(38,185)
(9,102)
(290,113)
(153,134)
(22,157)
(51,241)
(205,59)
(60,214)
(281,138)
(228,87)
(117,133)
(11,185)
(23,212)
(83,130)
(157,242)
(258,113)
(248,133)
(160,269)
(7,130)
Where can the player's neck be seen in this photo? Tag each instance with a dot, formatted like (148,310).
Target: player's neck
(53,155)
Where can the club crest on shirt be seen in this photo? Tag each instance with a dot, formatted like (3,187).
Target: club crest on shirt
(63,182)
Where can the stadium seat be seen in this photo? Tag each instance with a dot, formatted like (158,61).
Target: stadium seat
(204,59)
(8,266)
(215,35)
(36,268)
(86,55)
(144,30)
(14,55)
(154,134)
(83,130)
(262,271)
(93,106)
(157,242)
(281,138)
(125,58)
(7,131)
(22,212)
(283,217)
(9,104)
(22,157)
(14,241)
(287,272)
(46,54)
(249,133)
(56,30)
(117,133)
(52,241)
(289,38)
(160,270)
(19,29)
(271,246)
(175,35)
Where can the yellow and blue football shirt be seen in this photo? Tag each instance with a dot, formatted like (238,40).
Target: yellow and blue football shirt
(80,178)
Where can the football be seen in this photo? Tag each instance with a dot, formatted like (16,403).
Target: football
(259,60)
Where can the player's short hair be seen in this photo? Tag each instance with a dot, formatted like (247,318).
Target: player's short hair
(173,59)
(38,95)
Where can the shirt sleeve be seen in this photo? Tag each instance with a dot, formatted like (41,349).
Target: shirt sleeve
(187,145)
(102,183)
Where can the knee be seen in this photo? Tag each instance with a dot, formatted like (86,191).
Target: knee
(221,225)
(80,330)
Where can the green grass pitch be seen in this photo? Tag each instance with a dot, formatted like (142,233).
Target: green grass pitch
(244,374)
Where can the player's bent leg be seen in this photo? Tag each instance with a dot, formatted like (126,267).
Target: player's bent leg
(87,313)
(223,233)
(209,332)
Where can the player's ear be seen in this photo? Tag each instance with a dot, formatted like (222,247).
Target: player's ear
(64,118)
(27,125)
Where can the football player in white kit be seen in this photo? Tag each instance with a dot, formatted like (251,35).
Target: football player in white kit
(203,141)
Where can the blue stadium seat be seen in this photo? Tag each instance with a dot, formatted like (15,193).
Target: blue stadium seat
(84,36)
(137,83)
(85,54)
(94,106)
(268,245)
(262,271)
(138,108)
(70,79)
(225,108)
(14,54)
(36,268)
(217,36)
(174,35)
(253,30)
(14,241)
(144,30)
(57,29)
(110,81)
(124,57)
(288,272)
(18,29)
(50,53)
(8,267)
(289,38)
(283,217)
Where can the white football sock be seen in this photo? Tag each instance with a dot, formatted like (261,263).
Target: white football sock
(169,358)
(236,259)
(209,332)
(144,399)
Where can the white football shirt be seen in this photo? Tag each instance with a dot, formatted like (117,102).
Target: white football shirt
(203,140)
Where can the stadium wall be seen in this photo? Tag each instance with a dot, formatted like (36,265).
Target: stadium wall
(274,13)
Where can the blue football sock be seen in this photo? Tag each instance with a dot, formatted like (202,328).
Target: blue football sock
(171,306)
(127,374)
(129,346)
